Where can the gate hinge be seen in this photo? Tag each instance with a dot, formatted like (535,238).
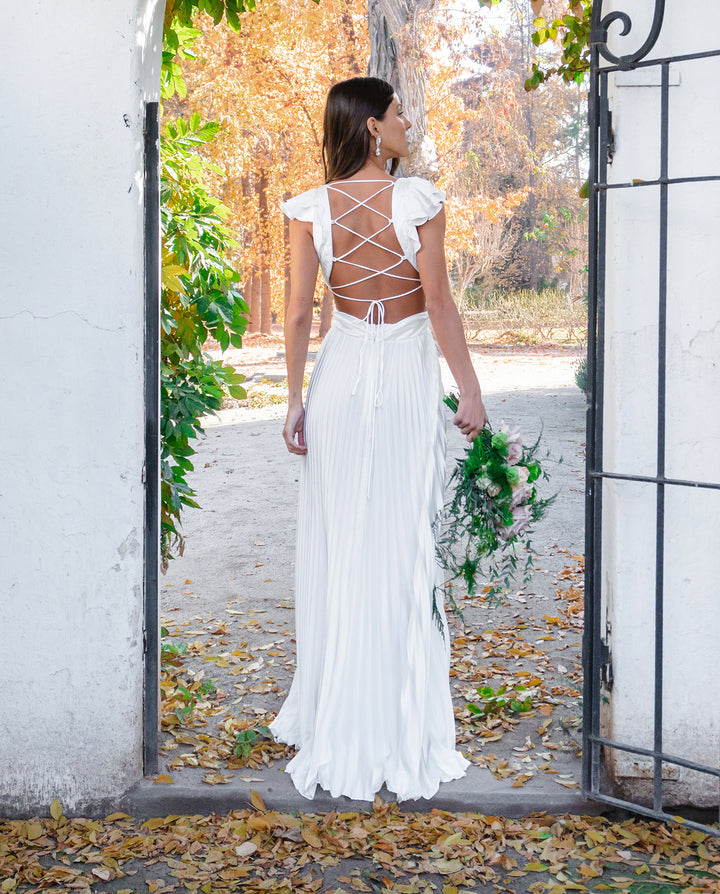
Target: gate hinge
(610,139)
(606,669)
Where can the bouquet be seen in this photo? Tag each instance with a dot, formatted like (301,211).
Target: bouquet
(490,515)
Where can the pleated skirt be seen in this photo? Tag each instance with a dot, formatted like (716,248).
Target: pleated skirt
(370,700)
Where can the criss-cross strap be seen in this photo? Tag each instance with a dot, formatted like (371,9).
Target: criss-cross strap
(376,305)
(369,239)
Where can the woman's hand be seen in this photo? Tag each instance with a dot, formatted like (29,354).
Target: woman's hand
(295,425)
(471,417)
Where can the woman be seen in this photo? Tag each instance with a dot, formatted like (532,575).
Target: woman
(370,700)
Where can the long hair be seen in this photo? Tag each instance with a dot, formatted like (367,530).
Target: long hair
(346,138)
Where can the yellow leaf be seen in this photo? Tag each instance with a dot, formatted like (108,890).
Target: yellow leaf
(154,823)
(450,889)
(216,779)
(449,841)
(163,777)
(444,867)
(256,801)
(56,810)
(311,838)
(33,831)
(536,867)
(114,817)
(9,884)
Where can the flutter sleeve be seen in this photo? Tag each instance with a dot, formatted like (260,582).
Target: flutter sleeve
(416,202)
(312,206)
(301,207)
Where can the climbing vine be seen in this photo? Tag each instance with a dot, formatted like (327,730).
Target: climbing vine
(569,30)
(200,299)
(200,296)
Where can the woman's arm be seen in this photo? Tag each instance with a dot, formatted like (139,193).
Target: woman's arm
(298,319)
(471,416)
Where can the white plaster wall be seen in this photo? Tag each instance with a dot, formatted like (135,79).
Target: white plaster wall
(75,77)
(691,703)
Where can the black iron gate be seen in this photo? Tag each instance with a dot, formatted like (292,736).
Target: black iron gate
(597,666)
(151,468)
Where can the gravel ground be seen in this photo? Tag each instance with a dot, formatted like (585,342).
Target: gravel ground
(230,596)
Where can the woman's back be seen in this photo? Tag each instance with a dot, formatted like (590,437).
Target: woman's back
(369,264)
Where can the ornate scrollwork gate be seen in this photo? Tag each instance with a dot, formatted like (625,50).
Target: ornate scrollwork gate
(599,744)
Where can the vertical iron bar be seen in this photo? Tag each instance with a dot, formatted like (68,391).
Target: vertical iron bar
(662,367)
(589,647)
(151,664)
(604,141)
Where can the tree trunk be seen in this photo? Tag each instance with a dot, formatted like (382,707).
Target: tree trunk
(265,311)
(252,292)
(251,282)
(265,296)
(348,29)
(397,51)
(286,247)
(326,312)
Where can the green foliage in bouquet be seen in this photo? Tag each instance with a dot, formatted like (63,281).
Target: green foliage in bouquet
(490,515)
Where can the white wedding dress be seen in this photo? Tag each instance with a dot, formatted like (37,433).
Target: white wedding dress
(370,700)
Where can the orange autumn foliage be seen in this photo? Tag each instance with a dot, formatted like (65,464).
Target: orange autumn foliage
(267,86)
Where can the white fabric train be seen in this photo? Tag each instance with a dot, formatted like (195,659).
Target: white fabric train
(370,700)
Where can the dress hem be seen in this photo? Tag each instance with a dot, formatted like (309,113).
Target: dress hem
(315,779)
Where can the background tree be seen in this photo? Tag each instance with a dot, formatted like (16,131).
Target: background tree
(399,42)
(266,85)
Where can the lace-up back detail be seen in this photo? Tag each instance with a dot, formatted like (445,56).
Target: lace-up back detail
(366,239)
(367,258)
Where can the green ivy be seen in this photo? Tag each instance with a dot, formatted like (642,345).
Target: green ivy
(572,33)
(200,300)
(200,297)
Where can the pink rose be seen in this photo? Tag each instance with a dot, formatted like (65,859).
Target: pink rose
(520,494)
(514,444)
(521,521)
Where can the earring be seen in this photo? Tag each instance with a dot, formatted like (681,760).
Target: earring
(377,145)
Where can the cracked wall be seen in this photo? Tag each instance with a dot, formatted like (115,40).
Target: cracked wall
(71,324)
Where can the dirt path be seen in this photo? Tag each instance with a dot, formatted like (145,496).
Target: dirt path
(229,598)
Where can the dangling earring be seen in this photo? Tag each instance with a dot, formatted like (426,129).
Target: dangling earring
(377,146)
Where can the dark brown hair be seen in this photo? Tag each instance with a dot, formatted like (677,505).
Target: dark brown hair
(346,138)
